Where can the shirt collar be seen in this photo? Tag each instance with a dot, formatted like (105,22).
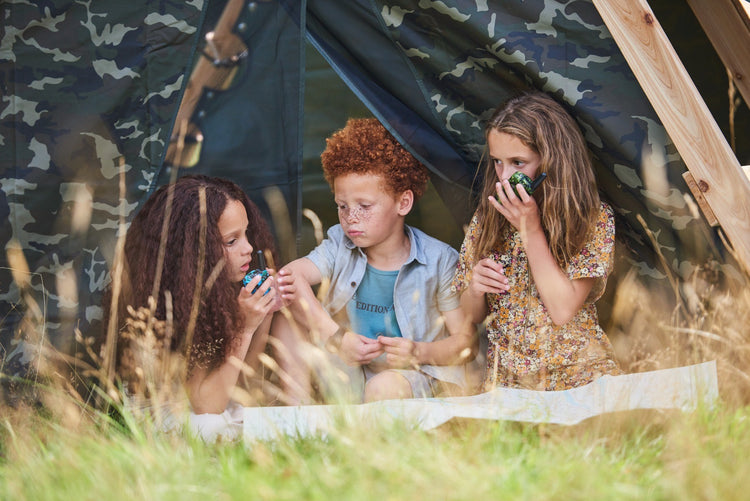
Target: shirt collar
(416,251)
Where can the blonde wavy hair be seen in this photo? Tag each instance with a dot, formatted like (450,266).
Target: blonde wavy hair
(568,199)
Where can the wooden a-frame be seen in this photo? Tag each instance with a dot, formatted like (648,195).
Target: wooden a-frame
(727,25)
(719,183)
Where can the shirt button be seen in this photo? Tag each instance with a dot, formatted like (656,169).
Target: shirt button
(354,284)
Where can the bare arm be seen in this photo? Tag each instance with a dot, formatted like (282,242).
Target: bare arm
(458,348)
(210,391)
(307,311)
(305,269)
(487,276)
(474,305)
(561,296)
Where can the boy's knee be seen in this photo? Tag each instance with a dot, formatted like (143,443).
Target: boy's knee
(387,385)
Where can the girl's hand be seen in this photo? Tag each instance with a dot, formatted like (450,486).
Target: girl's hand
(258,305)
(400,353)
(521,211)
(488,276)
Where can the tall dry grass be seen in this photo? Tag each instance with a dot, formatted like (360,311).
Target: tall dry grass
(703,317)
(64,443)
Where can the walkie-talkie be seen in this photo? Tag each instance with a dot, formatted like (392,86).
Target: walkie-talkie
(261,270)
(526,182)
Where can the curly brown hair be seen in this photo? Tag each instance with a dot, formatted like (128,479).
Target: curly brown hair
(364,146)
(219,316)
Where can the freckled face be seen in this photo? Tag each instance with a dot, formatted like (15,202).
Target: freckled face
(510,155)
(237,250)
(368,213)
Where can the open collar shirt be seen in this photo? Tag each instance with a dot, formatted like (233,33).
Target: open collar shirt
(422,290)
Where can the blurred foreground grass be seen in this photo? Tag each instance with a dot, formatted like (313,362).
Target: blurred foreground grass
(700,455)
(63,448)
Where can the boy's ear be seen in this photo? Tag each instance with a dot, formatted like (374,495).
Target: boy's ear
(405,202)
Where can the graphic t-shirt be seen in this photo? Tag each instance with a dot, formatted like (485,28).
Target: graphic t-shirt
(371,310)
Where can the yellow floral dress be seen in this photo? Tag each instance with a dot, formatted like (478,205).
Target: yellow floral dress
(526,349)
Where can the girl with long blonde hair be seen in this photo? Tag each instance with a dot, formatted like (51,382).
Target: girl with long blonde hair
(533,265)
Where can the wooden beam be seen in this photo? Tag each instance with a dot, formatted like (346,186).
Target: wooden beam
(221,46)
(695,189)
(727,25)
(685,116)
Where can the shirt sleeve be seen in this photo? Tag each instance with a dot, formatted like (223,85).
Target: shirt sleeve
(447,295)
(465,265)
(596,258)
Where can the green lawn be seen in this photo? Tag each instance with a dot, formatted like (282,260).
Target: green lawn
(701,455)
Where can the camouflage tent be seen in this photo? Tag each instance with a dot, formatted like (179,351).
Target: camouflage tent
(90,92)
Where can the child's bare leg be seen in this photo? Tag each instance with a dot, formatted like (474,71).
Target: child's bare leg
(387,385)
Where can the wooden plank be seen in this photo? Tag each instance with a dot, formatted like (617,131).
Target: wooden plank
(685,116)
(698,195)
(727,25)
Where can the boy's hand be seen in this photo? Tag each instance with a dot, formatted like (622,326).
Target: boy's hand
(401,353)
(286,281)
(359,350)
(488,276)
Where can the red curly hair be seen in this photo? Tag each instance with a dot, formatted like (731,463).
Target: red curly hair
(364,146)
(219,317)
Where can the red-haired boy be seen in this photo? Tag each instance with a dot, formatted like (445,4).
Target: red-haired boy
(389,310)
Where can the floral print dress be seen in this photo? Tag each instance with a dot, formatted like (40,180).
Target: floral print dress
(526,349)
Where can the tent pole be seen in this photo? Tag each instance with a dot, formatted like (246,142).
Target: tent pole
(221,43)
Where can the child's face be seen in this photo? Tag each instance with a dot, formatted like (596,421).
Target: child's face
(237,250)
(368,212)
(510,155)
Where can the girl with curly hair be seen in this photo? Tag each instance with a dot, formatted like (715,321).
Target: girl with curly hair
(191,277)
(533,265)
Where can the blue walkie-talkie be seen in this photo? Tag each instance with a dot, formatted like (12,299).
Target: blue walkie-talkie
(261,270)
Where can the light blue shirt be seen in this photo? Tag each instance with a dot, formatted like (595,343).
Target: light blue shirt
(422,290)
(370,310)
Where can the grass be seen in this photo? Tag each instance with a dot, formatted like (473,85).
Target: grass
(702,455)
(60,448)
(63,450)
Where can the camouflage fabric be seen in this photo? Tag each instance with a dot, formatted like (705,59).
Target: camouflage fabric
(447,65)
(89,92)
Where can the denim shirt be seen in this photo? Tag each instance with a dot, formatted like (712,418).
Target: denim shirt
(422,290)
